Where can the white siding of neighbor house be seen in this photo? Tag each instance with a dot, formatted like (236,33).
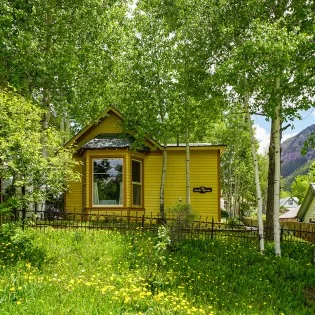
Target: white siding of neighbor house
(310,213)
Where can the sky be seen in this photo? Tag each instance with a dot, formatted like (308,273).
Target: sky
(263,128)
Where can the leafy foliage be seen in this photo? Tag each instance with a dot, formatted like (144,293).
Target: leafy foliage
(299,187)
(18,245)
(60,53)
(236,163)
(301,183)
(182,218)
(22,163)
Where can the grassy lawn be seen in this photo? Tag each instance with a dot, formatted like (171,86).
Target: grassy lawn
(105,272)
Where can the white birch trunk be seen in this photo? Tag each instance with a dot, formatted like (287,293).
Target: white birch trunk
(231,194)
(277,141)
(257,180)
(187,155)
(187,167)
(162,187)
(64,128)
(236,196)
(41,206)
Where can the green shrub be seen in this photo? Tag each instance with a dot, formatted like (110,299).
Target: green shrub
(233,222)
(18,245)
(182,218)
(224,214)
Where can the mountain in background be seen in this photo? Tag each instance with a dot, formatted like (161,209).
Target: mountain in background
(293,163)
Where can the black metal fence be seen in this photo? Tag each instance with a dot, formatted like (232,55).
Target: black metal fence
(121,221)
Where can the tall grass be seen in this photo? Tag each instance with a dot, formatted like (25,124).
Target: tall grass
(106,272)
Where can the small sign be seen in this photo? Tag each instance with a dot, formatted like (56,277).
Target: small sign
(202,189)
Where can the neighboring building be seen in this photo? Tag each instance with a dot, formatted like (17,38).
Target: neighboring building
(307,210)
(291,206)
(117,178)
(289,202)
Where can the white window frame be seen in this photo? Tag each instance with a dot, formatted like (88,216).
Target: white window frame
(122,190)
(137,183)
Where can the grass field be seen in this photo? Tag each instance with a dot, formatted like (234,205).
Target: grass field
(105,272)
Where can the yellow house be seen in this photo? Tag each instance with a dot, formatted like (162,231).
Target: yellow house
(116,178)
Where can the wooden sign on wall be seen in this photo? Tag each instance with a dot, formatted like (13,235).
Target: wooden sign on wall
(202,189)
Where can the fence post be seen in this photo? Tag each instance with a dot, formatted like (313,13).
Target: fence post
(212,229)
(281,234)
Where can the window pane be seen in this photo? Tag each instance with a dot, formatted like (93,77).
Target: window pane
(136,183)
(136,171)
(136,189)
(101,166)
(108,182)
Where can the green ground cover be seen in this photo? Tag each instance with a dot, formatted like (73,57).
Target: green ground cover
(105,272)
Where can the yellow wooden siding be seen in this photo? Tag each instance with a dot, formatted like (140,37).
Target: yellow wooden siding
(175,185)
(73,200)
(204,172)
(152,180)
(100,214)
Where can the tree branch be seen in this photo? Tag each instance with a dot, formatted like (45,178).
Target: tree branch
(285,127)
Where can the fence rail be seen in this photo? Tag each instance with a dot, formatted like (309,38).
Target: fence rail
(301,230)
(124,222)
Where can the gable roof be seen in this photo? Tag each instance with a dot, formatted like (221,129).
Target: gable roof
(283,201)
(110,110)
(87,129)
(111,141)
(104,141)
(306,201)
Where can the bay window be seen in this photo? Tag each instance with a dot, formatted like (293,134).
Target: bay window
(108,182)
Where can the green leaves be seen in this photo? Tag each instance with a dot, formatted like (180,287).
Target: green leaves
(61,53)
(21,161)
